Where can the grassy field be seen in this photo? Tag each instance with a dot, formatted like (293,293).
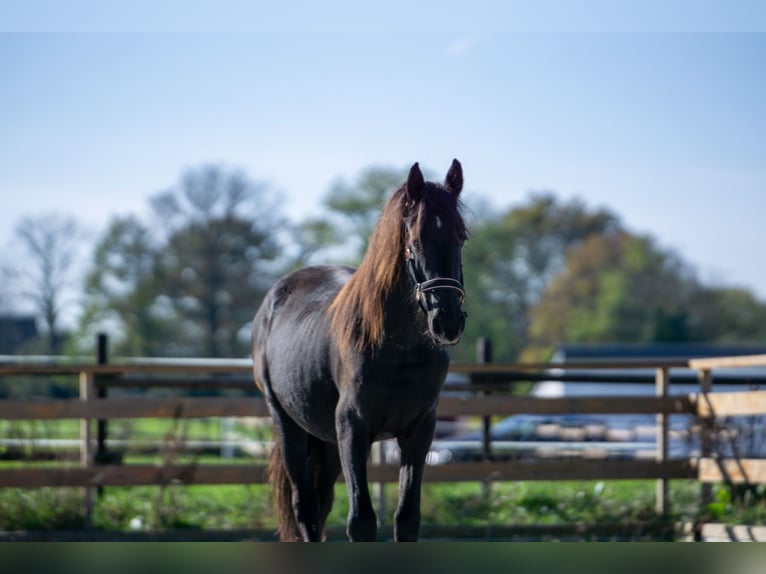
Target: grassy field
(464,504)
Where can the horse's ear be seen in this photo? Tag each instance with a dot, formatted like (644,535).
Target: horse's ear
(416,185)
(454,180)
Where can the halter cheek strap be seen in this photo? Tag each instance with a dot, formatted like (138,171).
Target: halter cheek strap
(422,287)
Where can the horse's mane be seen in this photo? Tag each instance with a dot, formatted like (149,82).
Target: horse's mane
(358,309)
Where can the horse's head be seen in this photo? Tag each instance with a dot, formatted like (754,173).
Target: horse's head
(435,236)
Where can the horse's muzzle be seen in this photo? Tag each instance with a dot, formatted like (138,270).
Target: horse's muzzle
(446,328)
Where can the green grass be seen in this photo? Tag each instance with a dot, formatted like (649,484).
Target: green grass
(198,507)
(468,504)
(138,508)
(565,502)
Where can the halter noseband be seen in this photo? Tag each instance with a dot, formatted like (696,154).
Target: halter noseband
(423,287)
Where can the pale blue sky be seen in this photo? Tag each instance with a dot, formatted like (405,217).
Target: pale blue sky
(668,130)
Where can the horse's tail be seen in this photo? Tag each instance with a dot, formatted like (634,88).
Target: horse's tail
(282,493)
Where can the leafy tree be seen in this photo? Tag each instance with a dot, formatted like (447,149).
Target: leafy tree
(314,238)
(352,210)
(617,287)
(121,292)
(727,315)
(509,260)
(218,258)
(188,280)
(360,203)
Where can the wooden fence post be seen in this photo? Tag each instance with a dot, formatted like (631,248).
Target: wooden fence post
(662,379)
(102,358)
(706,434)
(483,357)
(86,448)
(103,455)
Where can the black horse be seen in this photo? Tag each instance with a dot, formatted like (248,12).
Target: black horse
(345,358)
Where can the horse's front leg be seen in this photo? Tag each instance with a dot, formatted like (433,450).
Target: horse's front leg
(354,447)
(414,449)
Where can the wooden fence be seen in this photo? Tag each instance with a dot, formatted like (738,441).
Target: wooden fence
(710,406)
(490,382)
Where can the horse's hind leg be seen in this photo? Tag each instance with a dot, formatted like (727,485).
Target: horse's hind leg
(294,445)
(326,474)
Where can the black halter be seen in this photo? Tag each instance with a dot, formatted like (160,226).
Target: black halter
(423,287)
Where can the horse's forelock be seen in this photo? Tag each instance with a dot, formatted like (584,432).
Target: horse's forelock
(439,201)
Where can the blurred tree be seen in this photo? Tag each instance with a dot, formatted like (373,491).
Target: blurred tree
(188,281)
(6,282)
(617,287)
(509,260)
(728,315)
(352,213)
(43,269)
(314,237)
(218,258)
(359,204)
(121,293)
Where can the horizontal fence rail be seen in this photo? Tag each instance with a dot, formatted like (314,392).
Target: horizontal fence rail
(117,408)
(732,404)
(191,474)
(732,471)
(121,408)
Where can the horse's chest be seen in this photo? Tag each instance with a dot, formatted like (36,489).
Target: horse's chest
(397,395)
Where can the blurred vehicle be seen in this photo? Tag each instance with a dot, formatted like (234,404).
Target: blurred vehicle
(565,436)
(456,385)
